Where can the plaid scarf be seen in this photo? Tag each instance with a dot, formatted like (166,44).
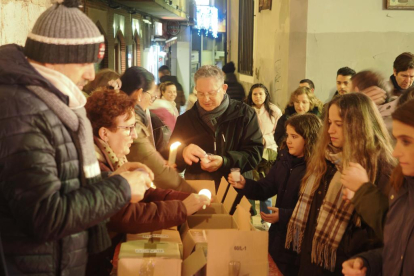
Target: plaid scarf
(332,221)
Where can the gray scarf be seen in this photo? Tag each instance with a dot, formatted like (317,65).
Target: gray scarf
(210,117)
(81,130)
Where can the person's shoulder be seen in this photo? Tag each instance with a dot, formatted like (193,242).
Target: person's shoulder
(17,100)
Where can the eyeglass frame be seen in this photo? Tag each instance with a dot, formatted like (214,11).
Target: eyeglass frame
(130,128)
(153,97)
(208,93)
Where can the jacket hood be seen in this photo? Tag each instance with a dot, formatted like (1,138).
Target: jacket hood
(15,69)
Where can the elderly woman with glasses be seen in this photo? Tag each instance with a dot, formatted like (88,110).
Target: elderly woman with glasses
(139,85)
(113,122)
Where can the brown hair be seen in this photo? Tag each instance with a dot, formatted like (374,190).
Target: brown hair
(101,80)
(104,106)
(405,115)
(366,139)
(164,85)
(306,125)
(366,79)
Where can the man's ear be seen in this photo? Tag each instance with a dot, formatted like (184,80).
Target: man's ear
(395,72)
(225,86)
(103,134)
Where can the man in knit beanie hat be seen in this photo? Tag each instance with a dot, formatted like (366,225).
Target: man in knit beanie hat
(53,200)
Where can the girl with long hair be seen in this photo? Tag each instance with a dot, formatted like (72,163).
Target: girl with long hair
(268,115)
(302,101)
(324,227)
(396,257)
(284,181)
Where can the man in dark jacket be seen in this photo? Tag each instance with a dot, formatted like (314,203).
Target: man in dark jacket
(53,202)
(234,90)
(403,73)
(225,128)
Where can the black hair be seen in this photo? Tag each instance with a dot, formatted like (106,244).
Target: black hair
(164,68)
(345,71)
(266,103)
(308,81)
(135,78)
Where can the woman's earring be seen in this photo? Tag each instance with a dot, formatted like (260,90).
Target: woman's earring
(139,99)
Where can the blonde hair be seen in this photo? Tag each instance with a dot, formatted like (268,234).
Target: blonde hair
(300,91)
(366,139)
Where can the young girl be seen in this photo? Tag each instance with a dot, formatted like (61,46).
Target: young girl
(396,258)
(268,115)
(302,101)
(324,227)
(284,180)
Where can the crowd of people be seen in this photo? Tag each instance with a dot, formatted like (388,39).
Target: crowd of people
(83,158)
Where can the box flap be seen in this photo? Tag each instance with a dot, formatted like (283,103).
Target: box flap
(242,218)
(222,190)
(244,202)
(194,262)
(203,184)
(220,221)
(230,198)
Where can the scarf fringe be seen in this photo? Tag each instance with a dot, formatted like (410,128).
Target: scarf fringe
(323,255)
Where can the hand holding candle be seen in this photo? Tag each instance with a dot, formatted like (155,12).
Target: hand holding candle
(173,153)
(206,193)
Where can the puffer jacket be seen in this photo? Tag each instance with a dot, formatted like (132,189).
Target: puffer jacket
(45,211)
(237,139)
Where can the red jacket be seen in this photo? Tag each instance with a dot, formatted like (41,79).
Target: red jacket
(159,209)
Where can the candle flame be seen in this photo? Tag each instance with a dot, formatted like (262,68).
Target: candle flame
(175,145)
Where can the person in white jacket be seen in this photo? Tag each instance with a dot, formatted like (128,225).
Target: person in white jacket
(268,115)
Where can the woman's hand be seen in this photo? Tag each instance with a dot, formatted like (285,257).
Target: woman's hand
(273,217)
(133,166)
(240,184)
(139,182)
(354,267)
(354,176)
(195,202)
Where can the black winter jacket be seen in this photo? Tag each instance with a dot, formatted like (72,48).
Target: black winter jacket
(280,131)
(238,139)
(44,210)
(283,180)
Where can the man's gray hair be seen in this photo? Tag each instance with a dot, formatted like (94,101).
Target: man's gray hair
(208,71)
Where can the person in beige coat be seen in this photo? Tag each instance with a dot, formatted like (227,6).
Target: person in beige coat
(138,83)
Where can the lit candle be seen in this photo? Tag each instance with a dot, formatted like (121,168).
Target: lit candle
(173,153)
(205,192)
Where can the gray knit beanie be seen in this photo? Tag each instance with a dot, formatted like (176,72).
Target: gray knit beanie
(64,34)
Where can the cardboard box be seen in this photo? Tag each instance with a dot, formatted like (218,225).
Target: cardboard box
(212,240)
(160,236)
(142,258)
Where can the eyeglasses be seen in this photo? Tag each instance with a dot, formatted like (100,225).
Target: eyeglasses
(130,129)
(210,94)
(153,98)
